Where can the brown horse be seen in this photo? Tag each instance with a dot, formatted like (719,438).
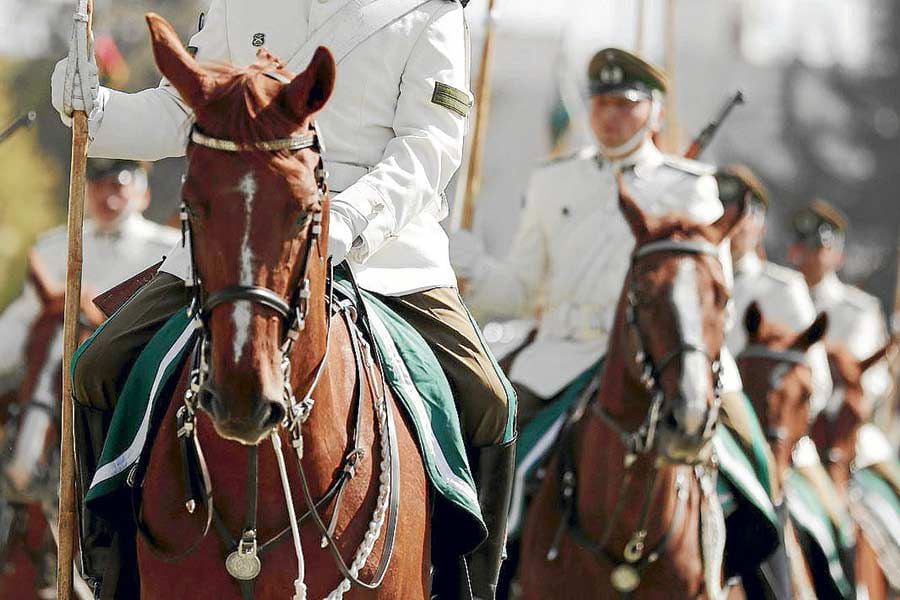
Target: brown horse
(778,382)
(622,517)
(27,514)
(834,432)
(274,351)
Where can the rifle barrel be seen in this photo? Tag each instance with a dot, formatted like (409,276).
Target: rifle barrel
(23,120)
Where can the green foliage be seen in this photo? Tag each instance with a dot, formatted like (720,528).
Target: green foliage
(28,202)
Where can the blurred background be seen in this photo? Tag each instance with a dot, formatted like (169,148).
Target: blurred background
(821,79)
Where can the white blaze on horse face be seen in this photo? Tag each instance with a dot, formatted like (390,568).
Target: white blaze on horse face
(695,381)
(37,418)
(242,311)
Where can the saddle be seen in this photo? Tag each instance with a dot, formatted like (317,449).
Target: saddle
(112,299)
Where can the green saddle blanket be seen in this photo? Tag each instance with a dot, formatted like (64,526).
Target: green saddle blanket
(810,516)
(740,483)
(414,375)
(876,507)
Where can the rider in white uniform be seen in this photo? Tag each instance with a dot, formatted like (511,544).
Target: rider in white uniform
(856,318)
(118,242)
(393,134)
(573,246)
(781,293)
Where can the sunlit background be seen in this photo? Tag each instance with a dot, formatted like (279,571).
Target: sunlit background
(821,77)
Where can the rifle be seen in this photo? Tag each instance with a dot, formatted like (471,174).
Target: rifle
(23,120)
(701,142)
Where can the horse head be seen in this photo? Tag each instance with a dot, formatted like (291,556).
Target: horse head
(777,378)
(835,428)
(257,221)
(673,307)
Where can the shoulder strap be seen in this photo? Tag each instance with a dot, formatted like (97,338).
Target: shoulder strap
(351,25)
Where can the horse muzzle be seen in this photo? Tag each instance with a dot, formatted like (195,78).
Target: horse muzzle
(250,428)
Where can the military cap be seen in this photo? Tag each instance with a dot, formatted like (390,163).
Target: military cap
(615,71)
(123,170)
(820,223)
(736,181)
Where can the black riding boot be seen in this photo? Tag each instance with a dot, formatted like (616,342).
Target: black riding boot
(496,468)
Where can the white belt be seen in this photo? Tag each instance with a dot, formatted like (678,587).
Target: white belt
(342,175)
(583,322)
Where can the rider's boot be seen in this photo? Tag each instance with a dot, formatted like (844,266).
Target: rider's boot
(496,467)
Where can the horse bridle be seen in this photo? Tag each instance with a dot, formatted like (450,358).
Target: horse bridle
(641,441)
(626,575)
(293,313)
(782,358)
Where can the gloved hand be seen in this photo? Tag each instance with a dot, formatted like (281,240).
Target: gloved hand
(466,253)
(57,90)
(340,236)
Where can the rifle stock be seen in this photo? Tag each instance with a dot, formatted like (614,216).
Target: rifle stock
(702,141)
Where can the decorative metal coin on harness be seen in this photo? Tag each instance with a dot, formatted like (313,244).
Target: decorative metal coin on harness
(258,40)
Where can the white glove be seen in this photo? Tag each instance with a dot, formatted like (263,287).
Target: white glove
(340,236)
(466,253)
(58,85)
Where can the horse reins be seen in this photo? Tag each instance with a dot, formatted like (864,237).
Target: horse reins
(243,563)
(626,575)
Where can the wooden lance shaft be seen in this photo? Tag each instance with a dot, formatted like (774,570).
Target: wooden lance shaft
(74,261)
(482,105)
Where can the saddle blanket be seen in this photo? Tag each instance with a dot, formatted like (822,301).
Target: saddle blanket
(811,517)
(741,480)
(415,377)
(875,506)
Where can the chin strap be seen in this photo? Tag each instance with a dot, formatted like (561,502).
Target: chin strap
(635,141)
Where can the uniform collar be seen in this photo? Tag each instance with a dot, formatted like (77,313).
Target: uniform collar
(642,161)
(749,264)
(827,292)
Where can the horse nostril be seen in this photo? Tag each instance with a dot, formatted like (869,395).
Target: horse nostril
(268,414)
(208,401)
(276,414)
(670,421)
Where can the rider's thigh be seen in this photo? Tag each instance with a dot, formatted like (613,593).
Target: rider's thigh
(102,366)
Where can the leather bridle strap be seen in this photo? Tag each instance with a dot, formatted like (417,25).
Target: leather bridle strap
(295,142)
(794,357)
(255,294)
(685,246)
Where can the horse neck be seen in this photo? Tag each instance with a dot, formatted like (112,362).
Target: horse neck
(601,469)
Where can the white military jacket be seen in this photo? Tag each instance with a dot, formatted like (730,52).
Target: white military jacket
(393,128)
(109,259)
(783,297)
(857,321)
(573,249)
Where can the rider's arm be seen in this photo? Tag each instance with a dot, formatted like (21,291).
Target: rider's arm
(155,123)
(799,313)
(14,323)
(427,148)
(510,286)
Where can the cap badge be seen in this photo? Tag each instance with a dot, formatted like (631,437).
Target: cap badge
(612,74)
(258,40)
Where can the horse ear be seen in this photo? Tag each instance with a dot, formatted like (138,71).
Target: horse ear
(308,92)
(731,219)
(637,219)
(175,63)
(753,320)
(39,277)
(813,333)
(868,363)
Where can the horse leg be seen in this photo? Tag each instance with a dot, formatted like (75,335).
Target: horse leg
(868,571)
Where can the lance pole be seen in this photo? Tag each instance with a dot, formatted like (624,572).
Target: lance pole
(65,555)
(482,105)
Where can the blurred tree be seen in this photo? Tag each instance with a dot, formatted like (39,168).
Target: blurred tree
(28,203)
